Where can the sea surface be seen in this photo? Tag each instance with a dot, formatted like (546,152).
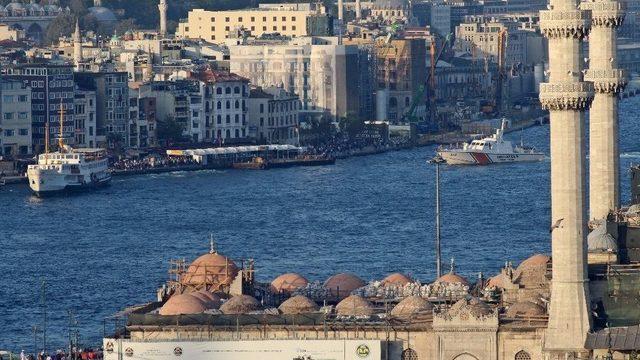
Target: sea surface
(373,215)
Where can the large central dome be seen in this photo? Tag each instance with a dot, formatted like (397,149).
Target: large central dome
(210,271)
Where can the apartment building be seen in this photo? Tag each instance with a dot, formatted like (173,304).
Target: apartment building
(85,118)
(293,20)
(15,118)
(273,116)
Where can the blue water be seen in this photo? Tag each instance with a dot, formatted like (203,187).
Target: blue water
(370,215)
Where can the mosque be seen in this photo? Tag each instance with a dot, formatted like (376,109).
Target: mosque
(579,303)
(32,18)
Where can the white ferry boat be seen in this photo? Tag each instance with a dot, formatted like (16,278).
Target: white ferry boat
(490,150)
(68,169)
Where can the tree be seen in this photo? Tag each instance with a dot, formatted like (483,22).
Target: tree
(351,125)
(125,25)
(169,129)
(78,8)
(63,25)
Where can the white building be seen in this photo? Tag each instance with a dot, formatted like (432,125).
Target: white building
(85,118)
(273,116)
(15,119)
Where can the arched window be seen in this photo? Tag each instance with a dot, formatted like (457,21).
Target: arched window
(237,118)
(228,119)
(237,104)
(236,90)
(393,102)
(219,119)
(228,134)
(219,105)
(227,90)
(407,101)
(409,354)
(228,104)
(522,355)
(219,91)
(237,133)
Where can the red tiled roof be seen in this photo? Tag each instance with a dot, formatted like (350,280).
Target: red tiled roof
(215,76)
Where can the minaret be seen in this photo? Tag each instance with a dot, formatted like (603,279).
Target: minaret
(358,9)
(608,81)
(163,17)
(77,47)
(97,3)
(567,98)
(340,11)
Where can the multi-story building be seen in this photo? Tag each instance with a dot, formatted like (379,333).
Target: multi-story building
(85,118)
(15,118)
(322,73)
(401,77)
(286,19)
(273,116)
(142,117)
(481,36)
(225,105)
(52,87)
(112,105)
(181,101)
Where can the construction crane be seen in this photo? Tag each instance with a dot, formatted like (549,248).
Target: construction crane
(430,82)
(502,49)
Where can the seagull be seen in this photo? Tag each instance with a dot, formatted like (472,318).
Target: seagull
(556,225)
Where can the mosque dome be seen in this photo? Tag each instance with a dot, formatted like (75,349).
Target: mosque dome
(213,270)
(298,304)
(410,306)
(343,284)
(52,9)
(212,301)
(497,281)
(3,11)
(525,308)
(16,9)
(288,283)
(102,14)
(451,278)
(354,305)
(397,279)
(240,304)
(180,304)
(535,260)
(391,4)
(35,9)
(472,305)
(600,240)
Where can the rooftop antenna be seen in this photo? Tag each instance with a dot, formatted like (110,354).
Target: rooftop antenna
(212,244)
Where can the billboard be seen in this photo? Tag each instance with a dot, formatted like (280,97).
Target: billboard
(123,349)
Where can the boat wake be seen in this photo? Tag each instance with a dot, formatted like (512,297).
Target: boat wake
(630,155)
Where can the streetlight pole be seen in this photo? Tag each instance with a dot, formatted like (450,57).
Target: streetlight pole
(437,160)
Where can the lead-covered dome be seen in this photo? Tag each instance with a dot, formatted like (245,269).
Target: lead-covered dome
(355,305)
(396,279)
(341,285)
(298,304)
(212,271)
(183,304)
(410,306)
(288,283)
(525,308)
(240,304)
(102,14)
(599,240)
(472,305)
(212,301)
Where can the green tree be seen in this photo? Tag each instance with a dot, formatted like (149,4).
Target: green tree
(125,25)
(352,125)
(63,25)
(169,130)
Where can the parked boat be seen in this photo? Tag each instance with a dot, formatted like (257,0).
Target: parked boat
(257,163)
(490,150)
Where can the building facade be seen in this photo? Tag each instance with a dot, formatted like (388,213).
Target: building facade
(293,20)
(85,118)
(112,105)
(273,116)
(52,87)
(15,118)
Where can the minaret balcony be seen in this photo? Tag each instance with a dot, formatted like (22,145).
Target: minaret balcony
(608,81)
(605,13)
(566,96)
(558,24)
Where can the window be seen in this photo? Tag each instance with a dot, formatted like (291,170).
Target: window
(237,133)
(294,29)
(409,354)
(213,19)
(275,18)
(228,133)
(7,116)
(240,19)
(23,132)
(284,28)
(275,28)
(253,19)
(228,119)
(22,115)
(219,91)
(237,118)
(264,28)
(226,28)
(228,104)
(8,132)
(236,90)
(219,121)
(219,105)
(7,98)
(237,104)
(284,18)
(522,355)
(293,18)
(226,19)
(261,108)
(227,90)
(264,18)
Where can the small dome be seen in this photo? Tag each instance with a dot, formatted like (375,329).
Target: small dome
(451,278)
(287,283)
(354,305)
(343,284)
(212,270)
(391,4)
(600,240)
(240,304)
(183,304)
(397,279)
(497,281)
(16,7)
(102,14)
(298,305)
(411,305)
(525,308)
(473,305)
(212,301)
(535,260)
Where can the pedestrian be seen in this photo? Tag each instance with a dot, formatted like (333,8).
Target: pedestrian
(22,355)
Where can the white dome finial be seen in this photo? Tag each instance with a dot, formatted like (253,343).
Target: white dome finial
(212,244)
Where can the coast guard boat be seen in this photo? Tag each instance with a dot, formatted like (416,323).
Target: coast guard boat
(68,169)
(489,150)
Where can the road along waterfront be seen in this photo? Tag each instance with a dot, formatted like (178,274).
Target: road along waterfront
(369,215)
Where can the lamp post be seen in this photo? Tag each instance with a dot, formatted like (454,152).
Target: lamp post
(437,160)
